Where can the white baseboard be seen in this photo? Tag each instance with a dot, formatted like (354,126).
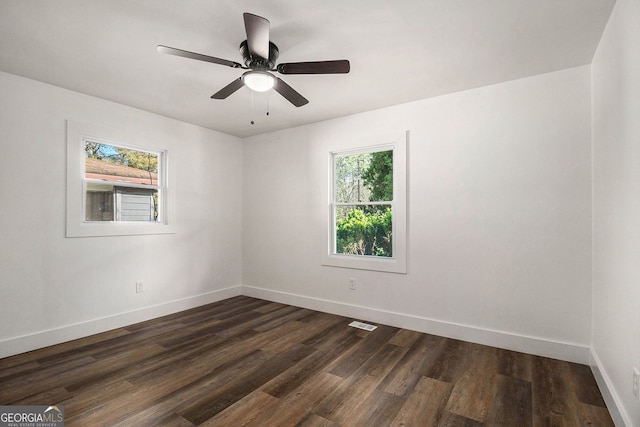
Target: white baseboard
(24,343)
(611,398)
(531,345)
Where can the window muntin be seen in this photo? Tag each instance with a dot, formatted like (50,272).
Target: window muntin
(362,203)
(398,142)
(121,184)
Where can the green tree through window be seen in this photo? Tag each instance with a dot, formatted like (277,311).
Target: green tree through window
(363,186)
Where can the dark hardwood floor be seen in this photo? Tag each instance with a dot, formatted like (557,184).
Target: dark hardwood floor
(245,361)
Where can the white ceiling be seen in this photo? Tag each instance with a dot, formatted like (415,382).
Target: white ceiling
(400,51)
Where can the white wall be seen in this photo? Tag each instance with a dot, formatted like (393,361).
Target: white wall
(54,288)
(499,217)
(616,206)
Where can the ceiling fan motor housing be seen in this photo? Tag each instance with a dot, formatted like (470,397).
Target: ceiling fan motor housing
(256,62)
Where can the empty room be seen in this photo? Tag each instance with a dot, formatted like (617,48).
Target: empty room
(338,213)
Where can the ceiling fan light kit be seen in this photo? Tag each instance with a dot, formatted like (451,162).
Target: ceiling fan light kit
(259,56)
(258,81)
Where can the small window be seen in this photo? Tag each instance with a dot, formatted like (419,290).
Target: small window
(367,225)
(115,188)
(121,184)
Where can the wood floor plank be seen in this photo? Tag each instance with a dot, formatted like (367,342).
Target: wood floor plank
(425,404)
(68,348)
(405,338)
(191,356)
(283,414)
(337,333)
(18,371)
(245,411)
(585,386)
(303,333)
(246,361)
(349,397)
(108,370)
(310,393)
(416,361)
(179,391)
(475,390)
(295,376)
(132,408)
(287,316)
(454,420)
(223,397)
(192,335)
(111,411)
(515,365)
(452,360)
(358,356)
(237,307)
(113,345)
(172,420)
(81,403)
(56,394)
(378,408)
(512,403)
(263,321)
(37,372)
(19,388)
(313,420)
(553,403)
(272,306)
(592,415)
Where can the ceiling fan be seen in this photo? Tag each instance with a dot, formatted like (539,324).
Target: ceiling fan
(259,55)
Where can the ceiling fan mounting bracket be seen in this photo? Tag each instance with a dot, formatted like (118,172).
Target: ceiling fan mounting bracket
(257,63)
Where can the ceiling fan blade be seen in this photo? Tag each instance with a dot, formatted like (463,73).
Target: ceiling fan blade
(340,66)
(198,56)
(228,89)
(257,29)
(289,93)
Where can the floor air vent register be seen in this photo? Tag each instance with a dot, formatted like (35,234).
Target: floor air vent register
(361,325)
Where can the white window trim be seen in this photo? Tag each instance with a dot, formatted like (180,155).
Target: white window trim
(397,263)
(77,134)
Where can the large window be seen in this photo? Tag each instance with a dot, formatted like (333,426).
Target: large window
(367,225)
(115,187)
(363,203)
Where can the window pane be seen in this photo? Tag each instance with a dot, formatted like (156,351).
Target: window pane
(116,178)
(364,177)
(136,204)
(364,230)
(111,163)
(108,202)
(99,206)
(349,185)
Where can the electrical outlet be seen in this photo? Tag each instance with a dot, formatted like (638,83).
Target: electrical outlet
(352,284)
(636,383)
(139,287)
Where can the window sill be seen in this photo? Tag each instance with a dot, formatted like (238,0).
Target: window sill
(388,265)
(92,229)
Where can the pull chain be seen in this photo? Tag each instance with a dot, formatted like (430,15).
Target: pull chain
(252,112)
(267,103)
